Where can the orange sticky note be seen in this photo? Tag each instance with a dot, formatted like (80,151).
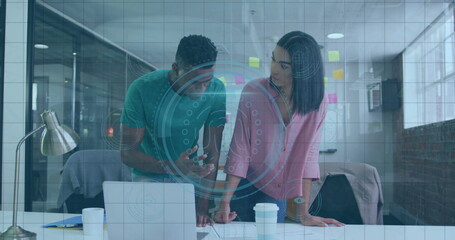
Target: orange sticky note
(334,56)
(253,62)
(338,74)
(222,79)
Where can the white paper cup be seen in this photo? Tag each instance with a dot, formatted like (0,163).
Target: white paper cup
(93,221)
(266,218)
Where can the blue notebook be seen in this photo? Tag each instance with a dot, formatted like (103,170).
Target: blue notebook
(69,223)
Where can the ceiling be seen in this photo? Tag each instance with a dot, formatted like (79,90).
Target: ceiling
(375,30)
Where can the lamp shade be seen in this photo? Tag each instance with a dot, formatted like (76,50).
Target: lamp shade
(56,139)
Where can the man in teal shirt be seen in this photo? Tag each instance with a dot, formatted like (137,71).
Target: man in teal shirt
(163,113)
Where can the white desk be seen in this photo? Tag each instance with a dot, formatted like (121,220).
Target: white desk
(361,232)
(33,222)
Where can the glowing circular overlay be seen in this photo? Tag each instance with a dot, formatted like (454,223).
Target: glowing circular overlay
(142,205)
(236,76)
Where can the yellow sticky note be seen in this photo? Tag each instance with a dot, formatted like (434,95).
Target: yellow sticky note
(253,62)
(334,56)
(338,74)
(326,80)
(222,79)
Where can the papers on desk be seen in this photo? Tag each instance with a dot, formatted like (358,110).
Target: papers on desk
(235,230)
(298,231)
(74,223)
(247,231)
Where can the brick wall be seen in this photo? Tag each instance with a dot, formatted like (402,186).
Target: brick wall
(424,167)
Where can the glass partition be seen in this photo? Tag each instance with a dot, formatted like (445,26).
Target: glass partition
(84,80)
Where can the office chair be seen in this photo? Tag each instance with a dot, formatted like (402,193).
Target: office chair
(348,192)
(81,183)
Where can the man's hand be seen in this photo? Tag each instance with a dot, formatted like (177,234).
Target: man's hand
(203,220)
(310,220)
(188,168)
(224,215)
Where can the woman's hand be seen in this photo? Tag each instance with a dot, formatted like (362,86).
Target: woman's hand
(309,220)
(224,214)
(203,220)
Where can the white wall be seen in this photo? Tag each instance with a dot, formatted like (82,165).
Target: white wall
(14,97)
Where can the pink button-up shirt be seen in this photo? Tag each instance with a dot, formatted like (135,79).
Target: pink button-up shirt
(274,157)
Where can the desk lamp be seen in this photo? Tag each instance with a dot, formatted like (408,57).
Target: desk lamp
(56,140)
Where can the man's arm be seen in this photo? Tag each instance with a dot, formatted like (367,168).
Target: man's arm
(133,157)
(212,145)
(131,138)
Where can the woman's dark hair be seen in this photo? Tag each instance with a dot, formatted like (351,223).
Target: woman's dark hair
(194,50)
(307,71)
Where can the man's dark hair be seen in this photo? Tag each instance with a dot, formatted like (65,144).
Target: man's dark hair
(307,71)
(195,50)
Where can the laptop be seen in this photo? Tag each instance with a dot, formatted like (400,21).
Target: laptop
(144,210)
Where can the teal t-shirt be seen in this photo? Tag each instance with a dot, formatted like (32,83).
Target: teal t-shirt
(171,122)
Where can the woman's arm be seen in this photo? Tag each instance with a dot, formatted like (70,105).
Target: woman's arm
(212,145)
(306,196)
(224,214)
(236,166)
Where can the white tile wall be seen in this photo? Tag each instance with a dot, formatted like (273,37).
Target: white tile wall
(14,97)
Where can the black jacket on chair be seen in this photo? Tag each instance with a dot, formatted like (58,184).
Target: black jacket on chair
(336,200)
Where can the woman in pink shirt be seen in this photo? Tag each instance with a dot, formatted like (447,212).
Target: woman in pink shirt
(274,150)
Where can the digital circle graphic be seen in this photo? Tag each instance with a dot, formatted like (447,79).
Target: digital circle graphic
(138,202)
(202,107)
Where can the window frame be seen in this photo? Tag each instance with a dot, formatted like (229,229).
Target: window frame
(425,55)
(2,77)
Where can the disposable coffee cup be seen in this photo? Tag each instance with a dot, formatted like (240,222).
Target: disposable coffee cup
(93,221)
(266,219)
